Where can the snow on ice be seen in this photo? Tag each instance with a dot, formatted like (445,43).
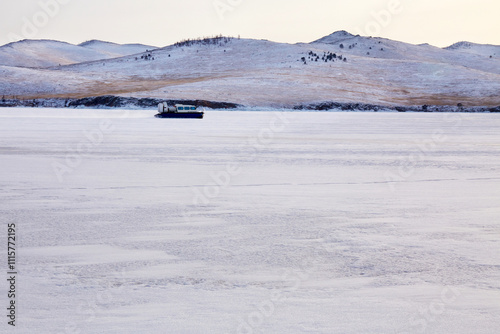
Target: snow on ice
(253,222)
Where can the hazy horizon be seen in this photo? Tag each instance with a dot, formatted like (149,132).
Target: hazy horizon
(159,23)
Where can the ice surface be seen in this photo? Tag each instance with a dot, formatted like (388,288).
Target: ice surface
(252,222)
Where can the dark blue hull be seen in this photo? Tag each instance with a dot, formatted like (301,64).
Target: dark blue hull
(180,115)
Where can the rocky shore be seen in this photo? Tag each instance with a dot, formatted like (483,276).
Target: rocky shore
(110,101)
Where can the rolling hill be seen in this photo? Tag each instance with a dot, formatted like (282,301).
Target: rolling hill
(339,67)
(48,53)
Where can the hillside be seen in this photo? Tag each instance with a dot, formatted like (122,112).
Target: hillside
(339,67)
(485,50)
(47,53)
(114,50)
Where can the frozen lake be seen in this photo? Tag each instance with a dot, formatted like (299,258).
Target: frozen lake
(252,222)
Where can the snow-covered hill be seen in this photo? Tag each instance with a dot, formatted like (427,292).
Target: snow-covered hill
(114,50)
(339,67)
(47,53)
(486,50)
(370,47)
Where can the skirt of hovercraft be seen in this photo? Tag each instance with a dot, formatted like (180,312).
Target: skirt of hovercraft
(180,115)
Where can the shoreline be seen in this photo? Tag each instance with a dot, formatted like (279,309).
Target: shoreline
(119,102)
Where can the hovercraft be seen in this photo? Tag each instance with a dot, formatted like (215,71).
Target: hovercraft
(178,111)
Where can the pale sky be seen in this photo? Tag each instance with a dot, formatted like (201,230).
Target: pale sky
(161,23)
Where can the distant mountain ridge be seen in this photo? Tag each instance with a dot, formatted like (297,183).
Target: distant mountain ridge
(49,53)
(97,41)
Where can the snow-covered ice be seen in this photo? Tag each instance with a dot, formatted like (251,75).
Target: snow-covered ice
(252,222)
